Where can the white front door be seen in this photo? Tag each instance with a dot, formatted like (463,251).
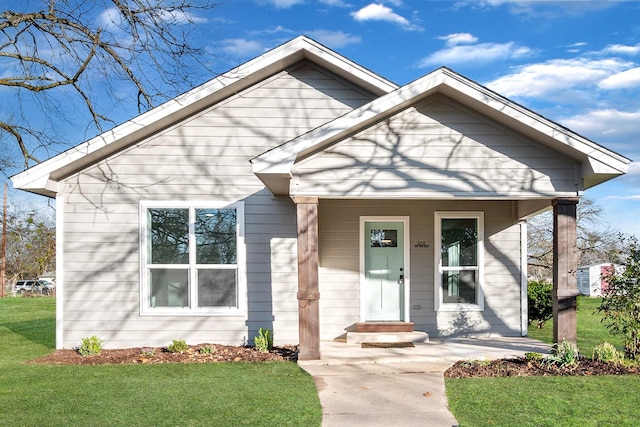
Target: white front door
(384,272)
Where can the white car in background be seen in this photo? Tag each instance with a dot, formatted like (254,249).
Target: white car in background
(43,287)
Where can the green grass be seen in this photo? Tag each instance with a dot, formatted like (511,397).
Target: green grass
(591,331)
(221,394)
(545,401)
(551,401)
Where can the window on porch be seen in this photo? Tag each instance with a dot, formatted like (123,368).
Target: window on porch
(459,237)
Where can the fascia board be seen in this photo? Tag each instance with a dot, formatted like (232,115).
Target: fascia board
(192,101)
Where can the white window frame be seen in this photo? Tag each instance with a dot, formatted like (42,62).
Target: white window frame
(439,304)
(193,310)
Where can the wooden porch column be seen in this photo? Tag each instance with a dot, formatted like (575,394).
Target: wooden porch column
(308,291)
(565,266)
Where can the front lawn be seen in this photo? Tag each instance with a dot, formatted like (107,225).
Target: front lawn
(545,401)
(591,331)
(551,401)
(221,394)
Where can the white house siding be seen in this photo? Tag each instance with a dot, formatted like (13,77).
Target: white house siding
(203,158)
(340,265)
(440,149)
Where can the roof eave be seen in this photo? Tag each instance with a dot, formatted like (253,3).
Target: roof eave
(195,100)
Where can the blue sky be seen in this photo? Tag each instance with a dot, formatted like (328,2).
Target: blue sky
(574,62)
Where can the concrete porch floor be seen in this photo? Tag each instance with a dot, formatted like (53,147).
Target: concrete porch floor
(443,351)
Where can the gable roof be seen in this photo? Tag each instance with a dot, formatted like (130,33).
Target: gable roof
(43,178)
(599,164)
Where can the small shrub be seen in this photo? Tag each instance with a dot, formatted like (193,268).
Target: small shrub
(207,349)
(177,346)
(531,356)
(147,351)
(475,362)
(565,354)
(540,301)
(90,346)
(606,352)
(264,340)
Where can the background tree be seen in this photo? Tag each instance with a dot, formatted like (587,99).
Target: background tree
(620,305)
(31,245)
(76,63)
(540,302)
(596,241)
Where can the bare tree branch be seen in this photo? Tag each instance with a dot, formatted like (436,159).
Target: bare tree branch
(70,47)
(596,242)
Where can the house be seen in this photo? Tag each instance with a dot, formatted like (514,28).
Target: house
(592,279)
(303,193)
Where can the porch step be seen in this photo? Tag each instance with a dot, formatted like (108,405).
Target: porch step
(384,327)
(391,337)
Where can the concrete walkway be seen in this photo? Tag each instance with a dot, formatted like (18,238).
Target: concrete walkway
(398,386)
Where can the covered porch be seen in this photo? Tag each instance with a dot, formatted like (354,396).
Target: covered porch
(440,153)
(339,276)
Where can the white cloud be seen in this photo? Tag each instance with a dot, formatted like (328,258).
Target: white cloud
(336,3)
(283,4)
(379,12)
(576,47)
(110,18)
(180,17)
(334,39)
(482,52)
(241,47)
(619,127)
(459,38)
(543,79)
(622,49)
(624,80)
(286,4)
(574,7)
(278,29)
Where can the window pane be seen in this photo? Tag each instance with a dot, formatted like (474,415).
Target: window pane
(459,242)
(384,238)
(216,236)
(169,236)
(217,288)
(459,286)
(169,288)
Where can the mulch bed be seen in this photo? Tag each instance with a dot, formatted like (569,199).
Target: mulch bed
(521,367)
(514,367)
(151,355)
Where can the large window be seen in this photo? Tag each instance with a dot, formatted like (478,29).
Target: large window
(192,258)
(459,257)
